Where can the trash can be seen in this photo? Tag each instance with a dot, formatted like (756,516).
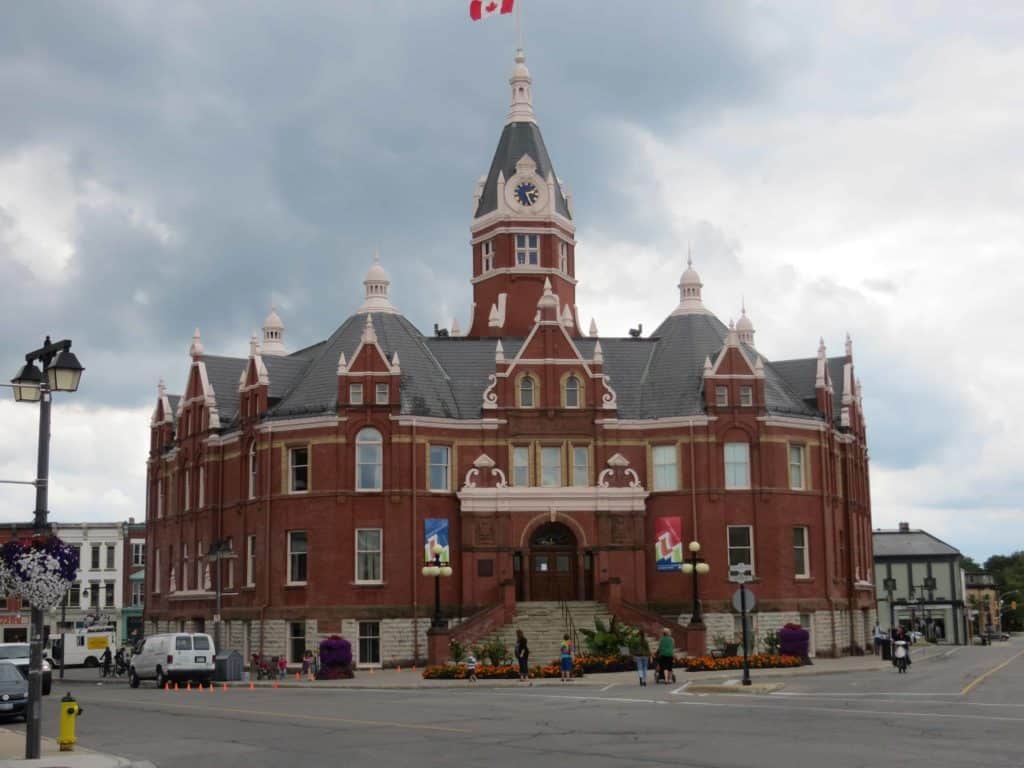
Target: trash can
(886,649)
(228,666)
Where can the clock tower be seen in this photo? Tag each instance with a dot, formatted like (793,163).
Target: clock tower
(522,229)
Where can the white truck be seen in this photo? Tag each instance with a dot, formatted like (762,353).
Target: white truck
(82,648)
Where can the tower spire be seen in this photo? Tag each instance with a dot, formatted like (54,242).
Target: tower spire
(521,110)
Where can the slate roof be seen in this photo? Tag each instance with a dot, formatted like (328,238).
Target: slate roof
(910,544)
(656,377)
(800,375)
(518,139)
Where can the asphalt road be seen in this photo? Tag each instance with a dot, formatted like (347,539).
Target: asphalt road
(963,708)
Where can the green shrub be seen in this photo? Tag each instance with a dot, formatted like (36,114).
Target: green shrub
(608,639)
(770,642)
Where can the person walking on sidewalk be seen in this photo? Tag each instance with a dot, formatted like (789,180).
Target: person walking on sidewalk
(282,666)
(666,653)
(565,658)
(105,661)
(471,668)
(523,656)
(879,636)
(641,655)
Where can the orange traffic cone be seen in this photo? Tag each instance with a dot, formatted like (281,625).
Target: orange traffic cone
(175,686)
(398,668)
(371,670)
(297,677)
(275,684)
(225,689)
(252,686)
(167,685)
(188,685)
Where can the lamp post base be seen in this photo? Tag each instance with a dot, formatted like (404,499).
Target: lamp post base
(438,645)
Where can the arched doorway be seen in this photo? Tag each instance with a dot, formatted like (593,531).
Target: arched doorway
(552,563)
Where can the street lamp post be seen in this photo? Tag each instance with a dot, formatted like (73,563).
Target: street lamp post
(696,566)
(62,374)
(437,568)
(220,550)
(890,587)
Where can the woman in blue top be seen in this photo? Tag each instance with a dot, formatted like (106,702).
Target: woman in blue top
(566,658)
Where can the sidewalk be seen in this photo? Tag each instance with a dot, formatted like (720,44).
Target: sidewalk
(12,749)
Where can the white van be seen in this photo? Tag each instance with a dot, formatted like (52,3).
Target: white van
(178,657)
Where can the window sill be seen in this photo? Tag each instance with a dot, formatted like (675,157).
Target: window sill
(296,584)
(803,579)
(367,584)
(297,493)
(249,588)
(369,490)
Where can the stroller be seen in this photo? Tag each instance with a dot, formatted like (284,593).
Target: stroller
(262,667)
(902,656)
(659,677)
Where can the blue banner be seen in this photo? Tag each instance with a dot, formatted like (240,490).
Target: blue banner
(435,531)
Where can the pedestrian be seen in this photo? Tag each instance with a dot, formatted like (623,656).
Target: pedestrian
(471,667)
(878,636)
(641,655)
(105,660)
(523,656)
(666,652)
(307,664)
(282,666)
(565,658)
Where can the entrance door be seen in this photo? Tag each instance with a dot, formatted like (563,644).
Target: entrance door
(553,563)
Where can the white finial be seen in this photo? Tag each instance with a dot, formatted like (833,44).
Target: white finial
(273,334)
(254,346)
(690,302)
(759,368)
(598,353)
(593,327)
(745,328)
(849,345)
(567,320)
(821,346)
(396,366)
(455,330)
(369,333)
(342,364)
(196,349)
(707,365)
(499,353)
(548,300)
(521,110)
(161,387)
(377,284)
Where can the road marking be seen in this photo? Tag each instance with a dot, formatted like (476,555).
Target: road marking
(947,654)
(678,691)
(321,718)
(608,687)
(858,693)
(967,688)
(843,711)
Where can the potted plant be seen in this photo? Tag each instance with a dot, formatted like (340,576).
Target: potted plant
(39,570)
(335,659)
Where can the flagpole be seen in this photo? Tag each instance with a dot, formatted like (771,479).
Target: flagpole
(519,24)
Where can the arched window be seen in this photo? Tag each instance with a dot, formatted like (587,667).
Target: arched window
(252,470)
(572,392)
(526,392)
(369,460)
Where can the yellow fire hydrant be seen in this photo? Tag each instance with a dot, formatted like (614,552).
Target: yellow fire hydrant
(69,712)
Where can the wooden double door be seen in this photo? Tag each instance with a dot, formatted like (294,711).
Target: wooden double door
(553,574)
(551,567)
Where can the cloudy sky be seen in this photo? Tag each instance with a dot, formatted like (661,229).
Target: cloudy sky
(851,167)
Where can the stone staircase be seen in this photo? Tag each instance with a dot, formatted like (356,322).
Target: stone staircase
(543,625)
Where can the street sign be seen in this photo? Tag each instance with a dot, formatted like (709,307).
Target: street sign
(737,603)
(741,573)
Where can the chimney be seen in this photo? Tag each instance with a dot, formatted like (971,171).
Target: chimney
(904,527)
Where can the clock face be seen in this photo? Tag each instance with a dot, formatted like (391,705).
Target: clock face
(527,193)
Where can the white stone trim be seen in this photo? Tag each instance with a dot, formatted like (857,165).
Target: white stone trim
(523,270)
(561,499)
(790,422)
(437,421)
(660,423)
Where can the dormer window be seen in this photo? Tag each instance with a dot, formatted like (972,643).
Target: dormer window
(355,394)
(721,396)
(746,396)
(487,257)
(527,250)
(381,395)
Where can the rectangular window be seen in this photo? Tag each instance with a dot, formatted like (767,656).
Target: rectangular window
(666,472)
(74,595)
(796,467)
(521,466)
(580,465)
(563,256)
(298,470)
(108,594)
(94,594)
(737,465)
(355,394)
(250,561)
(741,547)
(487,263)
(159,498)
(368,555)
(801,563)
(252,472)
(550,466)
(440,458)
(137,594)
(230,579)
(527,250)
(746,396)
(381,394)
(369,642)
(721,396)
(202,487)
(297,557)
(94,561)
(296,641)
(200,553)
(111,550)
(187,496)
(157,576)
(138,553)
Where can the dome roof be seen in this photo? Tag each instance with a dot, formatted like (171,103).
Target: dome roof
(273,320)
(744,324)
(377,274)
(690,276)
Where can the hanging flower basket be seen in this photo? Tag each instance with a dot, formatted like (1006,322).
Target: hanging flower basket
(39,570)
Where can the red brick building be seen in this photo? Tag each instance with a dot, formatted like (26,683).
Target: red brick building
(568,466)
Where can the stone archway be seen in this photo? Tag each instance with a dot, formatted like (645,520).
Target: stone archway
(552,562)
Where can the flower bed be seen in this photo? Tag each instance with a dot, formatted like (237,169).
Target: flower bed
(756,661)
(581,665)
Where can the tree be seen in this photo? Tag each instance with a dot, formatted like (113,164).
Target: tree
(1008,571)
(969,564)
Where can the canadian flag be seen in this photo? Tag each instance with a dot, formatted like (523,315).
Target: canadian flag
(481,9)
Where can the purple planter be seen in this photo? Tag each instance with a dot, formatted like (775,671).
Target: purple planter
(794,640)
(335,658)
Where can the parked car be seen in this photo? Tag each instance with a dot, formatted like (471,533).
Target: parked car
(993,635)
(178,657)
(18,655)
(13,691)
